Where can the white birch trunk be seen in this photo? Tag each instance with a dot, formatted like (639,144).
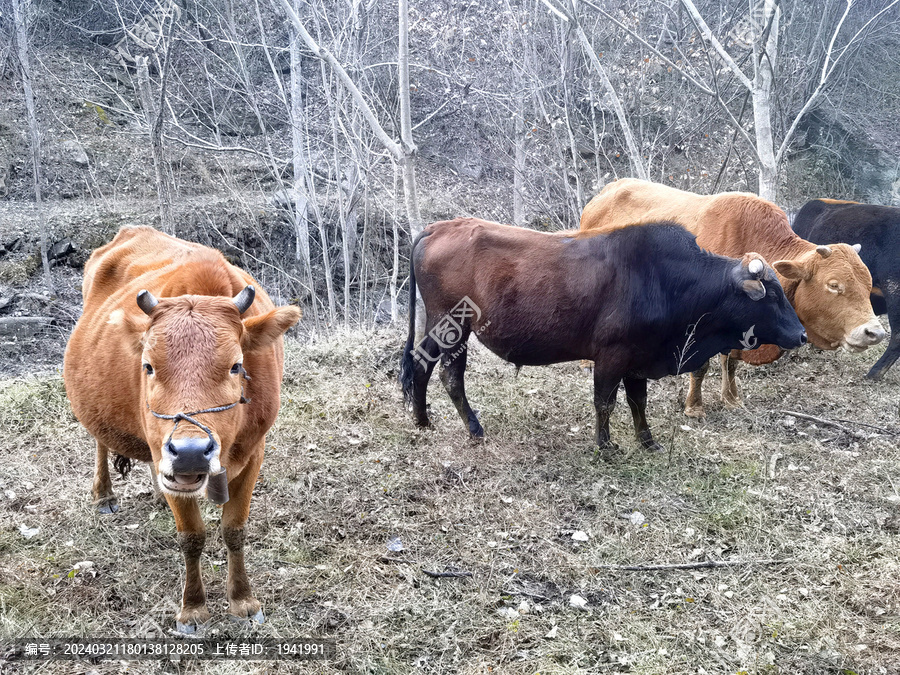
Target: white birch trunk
(34,133)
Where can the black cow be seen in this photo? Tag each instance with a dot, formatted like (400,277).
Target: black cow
(876,229)
(642,302)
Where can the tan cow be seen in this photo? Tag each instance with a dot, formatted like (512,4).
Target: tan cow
(828,286)
(168,381)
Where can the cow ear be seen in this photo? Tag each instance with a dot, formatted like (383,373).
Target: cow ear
(261,331)
(790,269)
(133,326)
(754,288)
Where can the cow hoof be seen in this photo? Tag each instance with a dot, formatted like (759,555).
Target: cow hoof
(653,446)
(259,617)
(606,449)
(244,610)
(108,506)
(733,403)
(189,621)
(185,628)
(695,411)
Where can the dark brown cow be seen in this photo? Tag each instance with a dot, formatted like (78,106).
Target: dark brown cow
(828,286)
(189,381)
(641,302)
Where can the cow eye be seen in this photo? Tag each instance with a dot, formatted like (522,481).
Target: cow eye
(236,369)
(148,369)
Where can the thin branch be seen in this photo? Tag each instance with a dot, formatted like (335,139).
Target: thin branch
(393,147)
(827,423)
(634,152)
(711,39)
(562,14)
(702,87)
(690,566)
(449,575)
(826,74)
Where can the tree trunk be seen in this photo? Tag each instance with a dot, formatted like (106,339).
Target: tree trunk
(301,196)
(408,161)
(395,270)
(34,133)
(519,132)
(765,54)
(151,115)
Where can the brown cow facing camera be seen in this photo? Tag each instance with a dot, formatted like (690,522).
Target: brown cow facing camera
(177,361)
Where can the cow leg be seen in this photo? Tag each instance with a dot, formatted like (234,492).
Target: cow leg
(730,395)
(241,603)
(892,353)
(191,539)
(453,369)
(693,404)
(427,354)
(605,389)
(104,497)
(636,395)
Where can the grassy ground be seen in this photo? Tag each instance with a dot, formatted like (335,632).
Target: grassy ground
(346,472)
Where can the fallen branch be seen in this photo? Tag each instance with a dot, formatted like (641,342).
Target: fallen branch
(690,566)
(534,596)
(400,561)
(828,423)
(450,575)
(889,432)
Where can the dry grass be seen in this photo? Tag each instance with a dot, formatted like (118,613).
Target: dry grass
(346,471)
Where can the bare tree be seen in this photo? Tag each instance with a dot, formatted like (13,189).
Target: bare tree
(403,152)
(34,134)
(765,23)
(567,11)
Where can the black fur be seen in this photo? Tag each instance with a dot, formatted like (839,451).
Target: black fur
(407,363)
(122,464)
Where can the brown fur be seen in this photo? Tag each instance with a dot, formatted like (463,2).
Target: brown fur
(192,338)
(732,223)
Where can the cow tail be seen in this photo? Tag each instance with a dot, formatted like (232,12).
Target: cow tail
(407,362)
(122,464)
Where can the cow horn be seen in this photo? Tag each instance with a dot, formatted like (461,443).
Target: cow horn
(244,299)
(146,301)
(857,247)
(823,251)
(756,267)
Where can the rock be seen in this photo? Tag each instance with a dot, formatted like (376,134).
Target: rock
(22,327)
(11,246)
(60,249)
(75,152)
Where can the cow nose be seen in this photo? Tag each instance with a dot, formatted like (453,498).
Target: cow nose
(803,338)
(874,335)
(190,455)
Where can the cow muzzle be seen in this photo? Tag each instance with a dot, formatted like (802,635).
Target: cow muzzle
(186,462)
(863,337)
